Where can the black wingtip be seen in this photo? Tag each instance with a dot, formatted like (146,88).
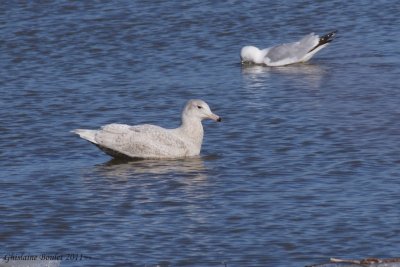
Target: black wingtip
(327,38)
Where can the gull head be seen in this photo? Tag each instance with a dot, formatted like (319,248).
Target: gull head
(251,54)
(199,109)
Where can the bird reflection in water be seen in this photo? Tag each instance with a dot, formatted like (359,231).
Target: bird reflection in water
(147,188)
(309,74)
(123,169)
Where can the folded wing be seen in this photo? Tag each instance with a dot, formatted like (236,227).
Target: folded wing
(289,53)
(142,141)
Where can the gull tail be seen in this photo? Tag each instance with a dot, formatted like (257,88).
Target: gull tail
(86,134)
(327,38)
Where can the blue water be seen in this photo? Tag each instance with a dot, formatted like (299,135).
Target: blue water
(305,165)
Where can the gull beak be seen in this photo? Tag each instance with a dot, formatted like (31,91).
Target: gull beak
(215,117)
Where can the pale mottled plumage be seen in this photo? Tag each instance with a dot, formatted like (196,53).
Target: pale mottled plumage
(285,54)
(150,141)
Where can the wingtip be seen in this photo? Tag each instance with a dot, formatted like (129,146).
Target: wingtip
(86,134)
(327,38)
(77,131)
(332,34)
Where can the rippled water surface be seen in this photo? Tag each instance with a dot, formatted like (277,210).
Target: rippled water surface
(305,165)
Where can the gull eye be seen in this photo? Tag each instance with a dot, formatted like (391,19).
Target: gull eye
(199,107)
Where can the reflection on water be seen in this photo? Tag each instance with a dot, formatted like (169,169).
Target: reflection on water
(309,74)
(149,188)
(125,169)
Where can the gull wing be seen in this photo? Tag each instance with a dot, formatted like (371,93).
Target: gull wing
(141,141)
(289,53)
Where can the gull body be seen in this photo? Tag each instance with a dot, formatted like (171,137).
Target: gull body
(151,141)
(289,53)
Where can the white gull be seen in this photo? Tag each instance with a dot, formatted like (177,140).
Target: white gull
(154,142)
(288,53)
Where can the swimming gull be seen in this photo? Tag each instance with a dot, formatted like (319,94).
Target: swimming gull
(289,53)
(150,141)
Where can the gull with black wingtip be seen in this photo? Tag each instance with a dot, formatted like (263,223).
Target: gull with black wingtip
(288,53)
